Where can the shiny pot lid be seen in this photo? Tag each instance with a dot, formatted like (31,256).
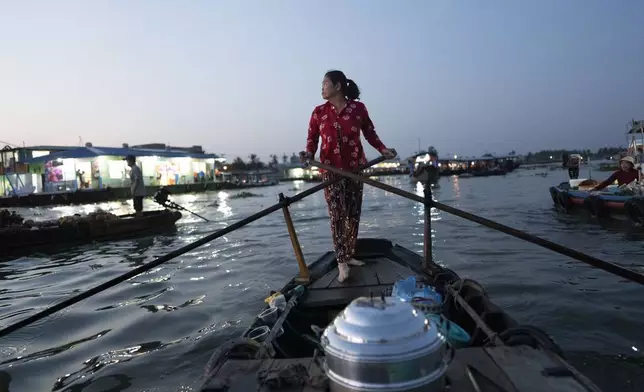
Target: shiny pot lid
(382,329)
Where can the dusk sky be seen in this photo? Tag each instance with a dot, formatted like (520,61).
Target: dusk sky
(240,77)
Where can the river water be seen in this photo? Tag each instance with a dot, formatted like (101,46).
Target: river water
(156,331)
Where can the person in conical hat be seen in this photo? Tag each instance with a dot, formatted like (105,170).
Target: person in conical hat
(626,174)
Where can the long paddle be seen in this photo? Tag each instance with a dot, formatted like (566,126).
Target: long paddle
(177,252)
(595,262)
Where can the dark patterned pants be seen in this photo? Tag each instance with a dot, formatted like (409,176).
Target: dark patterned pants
(344,200)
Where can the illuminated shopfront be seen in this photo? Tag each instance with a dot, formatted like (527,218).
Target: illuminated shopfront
(98,168)
(300,173)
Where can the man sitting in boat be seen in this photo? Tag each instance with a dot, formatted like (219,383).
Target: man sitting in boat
(573,166)
(626,174)
(136,185)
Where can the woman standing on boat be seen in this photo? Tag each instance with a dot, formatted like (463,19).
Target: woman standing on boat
(339,122)
(626,174)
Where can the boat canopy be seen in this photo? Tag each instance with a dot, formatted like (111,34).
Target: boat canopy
(636,126)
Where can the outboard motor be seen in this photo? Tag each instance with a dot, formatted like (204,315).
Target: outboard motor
(384,344)
(161,196)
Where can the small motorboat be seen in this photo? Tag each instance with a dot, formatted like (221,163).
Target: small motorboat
(425,173)
(577,195)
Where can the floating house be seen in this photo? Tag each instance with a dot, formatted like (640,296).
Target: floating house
(53,169)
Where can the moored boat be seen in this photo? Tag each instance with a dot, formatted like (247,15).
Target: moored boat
(484,173)
(21,236)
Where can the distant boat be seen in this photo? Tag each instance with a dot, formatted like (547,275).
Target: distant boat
(20,235)
(425,173)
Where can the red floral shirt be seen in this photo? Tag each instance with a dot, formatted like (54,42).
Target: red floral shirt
(340,132)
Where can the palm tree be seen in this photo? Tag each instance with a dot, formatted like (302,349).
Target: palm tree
(274,161)
(252,163)
(238,164)
(284,159)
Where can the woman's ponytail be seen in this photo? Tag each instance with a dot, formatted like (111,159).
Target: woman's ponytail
(348,87)
(351,91)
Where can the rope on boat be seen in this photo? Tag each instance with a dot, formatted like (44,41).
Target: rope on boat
(492,336)
(175,253)
(593,261)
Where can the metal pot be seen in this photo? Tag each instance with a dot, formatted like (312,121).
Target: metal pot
(384,344)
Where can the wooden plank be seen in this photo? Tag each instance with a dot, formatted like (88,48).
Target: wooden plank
(360,276)
(524,367)
(339,296)
(325,280)
(476,361)
(370,274)
(389,272)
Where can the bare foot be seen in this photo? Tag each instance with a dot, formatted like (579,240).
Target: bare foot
(343,273)
(355,262)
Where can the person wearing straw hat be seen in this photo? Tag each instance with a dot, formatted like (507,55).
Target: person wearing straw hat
(626,174)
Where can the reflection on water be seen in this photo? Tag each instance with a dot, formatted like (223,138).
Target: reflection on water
(224,208)
(157,330)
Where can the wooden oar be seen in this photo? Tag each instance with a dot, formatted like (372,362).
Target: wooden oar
(595,262)
(177,252)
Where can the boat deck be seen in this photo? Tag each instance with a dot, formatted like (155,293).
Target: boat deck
(476,368)
(379,273)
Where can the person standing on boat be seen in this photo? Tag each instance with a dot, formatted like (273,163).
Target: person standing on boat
(411,165)
(339,122)
(626,174)
(136,185)
(573,166)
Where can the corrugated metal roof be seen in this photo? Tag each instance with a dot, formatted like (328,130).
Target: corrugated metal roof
(91,152)
(49,148)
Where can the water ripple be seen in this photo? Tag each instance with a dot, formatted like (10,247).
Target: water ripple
(156,331)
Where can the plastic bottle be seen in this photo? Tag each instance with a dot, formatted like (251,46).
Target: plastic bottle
(278,301)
